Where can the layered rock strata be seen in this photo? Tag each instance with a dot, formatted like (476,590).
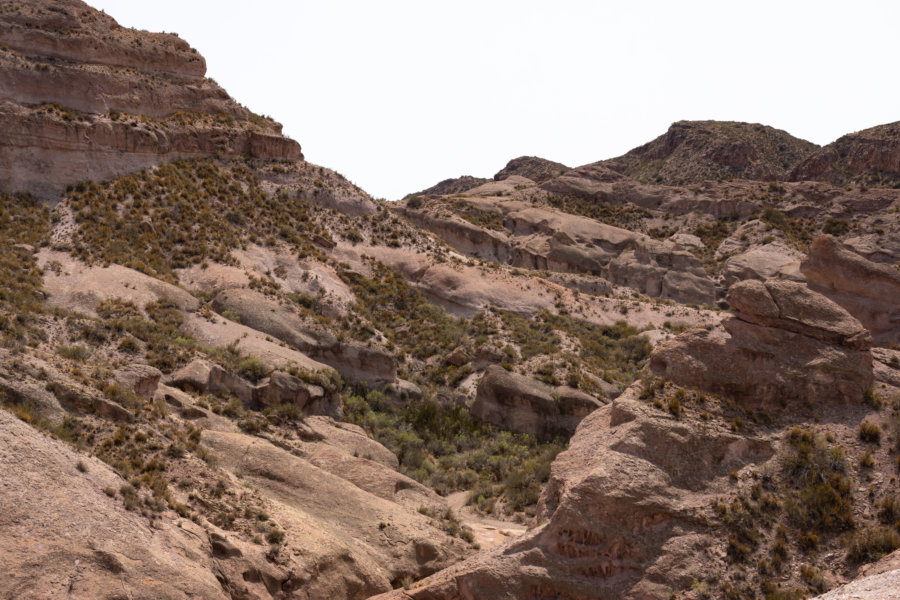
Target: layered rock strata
(784,342)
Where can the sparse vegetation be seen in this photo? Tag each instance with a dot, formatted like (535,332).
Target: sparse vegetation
(449,450)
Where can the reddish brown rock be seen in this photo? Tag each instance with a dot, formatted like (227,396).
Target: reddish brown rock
(867,290)
(692,151)
(784,342)
(871,155)
(534,168)
(83,98)
(204,377)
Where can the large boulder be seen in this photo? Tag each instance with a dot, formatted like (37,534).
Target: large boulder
(281,388)
(770,261)
(140,379)
(784,342)
(661,269)
(869,291)
(523,404)
(204,377)
(276,389)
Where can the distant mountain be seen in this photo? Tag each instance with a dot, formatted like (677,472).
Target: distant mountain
(694,151)
(871,156)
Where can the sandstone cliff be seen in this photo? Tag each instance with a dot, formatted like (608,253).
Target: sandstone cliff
(83,98)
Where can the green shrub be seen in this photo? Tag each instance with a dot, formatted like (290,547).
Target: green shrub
(835,227)
(252,369)
(820,496)
(75,352)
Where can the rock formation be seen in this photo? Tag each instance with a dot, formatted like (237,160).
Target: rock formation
(534,168)
(867,290)
(83,98)
(747,358)
(619,513)
(524,404)
(868,156)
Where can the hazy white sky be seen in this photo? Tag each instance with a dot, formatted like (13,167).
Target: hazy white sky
(397,95)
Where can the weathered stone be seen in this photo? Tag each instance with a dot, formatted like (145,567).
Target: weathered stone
(140,379)
(784,343)
(204,377)
(281,388)
(618,507)
(868,290)
(527,405)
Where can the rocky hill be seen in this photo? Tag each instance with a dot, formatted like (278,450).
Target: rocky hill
(868,157)
(226,372)
(694,151)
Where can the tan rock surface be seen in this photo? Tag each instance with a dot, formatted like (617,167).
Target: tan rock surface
(284,322)
(73,285)
(337,524)
(770,261)
(63,537)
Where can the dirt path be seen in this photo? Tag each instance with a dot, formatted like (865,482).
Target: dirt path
(488,532)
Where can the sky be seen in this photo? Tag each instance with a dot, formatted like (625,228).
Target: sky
(398,95)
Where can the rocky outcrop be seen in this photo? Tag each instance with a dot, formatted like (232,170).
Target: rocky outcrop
(867,290)
(546,239)
(660,269)
(203,377)
(868,156)
(784,342)
(622,507)
(140,379)
(523,404)
(455,185)
(877,581)
(345,536)
(61,535)
(693,151)
(83,98)
(349,541)
(276,389)
(770,261)
(353,360)
(75,285)
(71,30)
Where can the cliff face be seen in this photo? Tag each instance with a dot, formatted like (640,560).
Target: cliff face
(83,98)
